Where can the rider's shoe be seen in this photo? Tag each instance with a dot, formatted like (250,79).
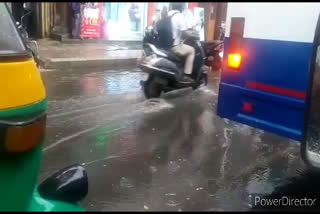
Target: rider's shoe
(187,78)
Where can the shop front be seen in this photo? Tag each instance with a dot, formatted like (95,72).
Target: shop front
(103,20)
(124,21)
(128,20)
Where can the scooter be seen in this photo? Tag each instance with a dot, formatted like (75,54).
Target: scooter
(165,69)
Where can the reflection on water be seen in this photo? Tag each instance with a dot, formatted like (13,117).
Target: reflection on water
(95,83)
(173,162)
(112,83)
(128,81)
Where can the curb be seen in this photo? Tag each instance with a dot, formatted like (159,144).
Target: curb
(64,38)
(85,63)
(136,44)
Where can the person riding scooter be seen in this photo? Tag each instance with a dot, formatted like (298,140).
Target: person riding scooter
(172,31)
(164,45)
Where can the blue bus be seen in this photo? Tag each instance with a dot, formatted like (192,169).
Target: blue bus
(271,71)
(268,47)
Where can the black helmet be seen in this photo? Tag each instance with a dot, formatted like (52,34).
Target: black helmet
(177,6)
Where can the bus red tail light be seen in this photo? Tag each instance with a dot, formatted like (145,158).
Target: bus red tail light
(234,60)
(236,43)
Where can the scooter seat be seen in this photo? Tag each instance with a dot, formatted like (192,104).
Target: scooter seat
(171,56)
(164,53)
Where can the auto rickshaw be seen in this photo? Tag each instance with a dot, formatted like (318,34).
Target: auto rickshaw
(23,106)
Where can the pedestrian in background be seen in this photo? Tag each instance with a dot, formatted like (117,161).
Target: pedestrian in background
(164,12)
(134,15)
(76,19)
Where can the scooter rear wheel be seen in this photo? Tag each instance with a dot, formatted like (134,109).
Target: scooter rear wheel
(217,63)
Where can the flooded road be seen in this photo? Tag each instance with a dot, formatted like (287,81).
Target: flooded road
(168,154)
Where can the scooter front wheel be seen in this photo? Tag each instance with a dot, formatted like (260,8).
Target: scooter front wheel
(151,88)
(205,78)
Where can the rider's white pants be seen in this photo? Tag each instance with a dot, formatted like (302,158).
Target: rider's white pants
(188,52)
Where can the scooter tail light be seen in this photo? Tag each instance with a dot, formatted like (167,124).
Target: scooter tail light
(221,48)
(221,54)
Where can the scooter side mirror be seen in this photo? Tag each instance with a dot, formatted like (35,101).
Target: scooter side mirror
(69,185)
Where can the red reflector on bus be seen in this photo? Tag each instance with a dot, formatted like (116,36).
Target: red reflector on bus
(234,60)
(247,107)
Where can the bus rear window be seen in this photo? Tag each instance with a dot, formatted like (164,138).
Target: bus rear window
(10,41)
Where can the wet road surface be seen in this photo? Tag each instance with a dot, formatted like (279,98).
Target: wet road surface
(167,154)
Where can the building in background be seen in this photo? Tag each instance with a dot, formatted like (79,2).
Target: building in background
(214,18)
(124,21)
